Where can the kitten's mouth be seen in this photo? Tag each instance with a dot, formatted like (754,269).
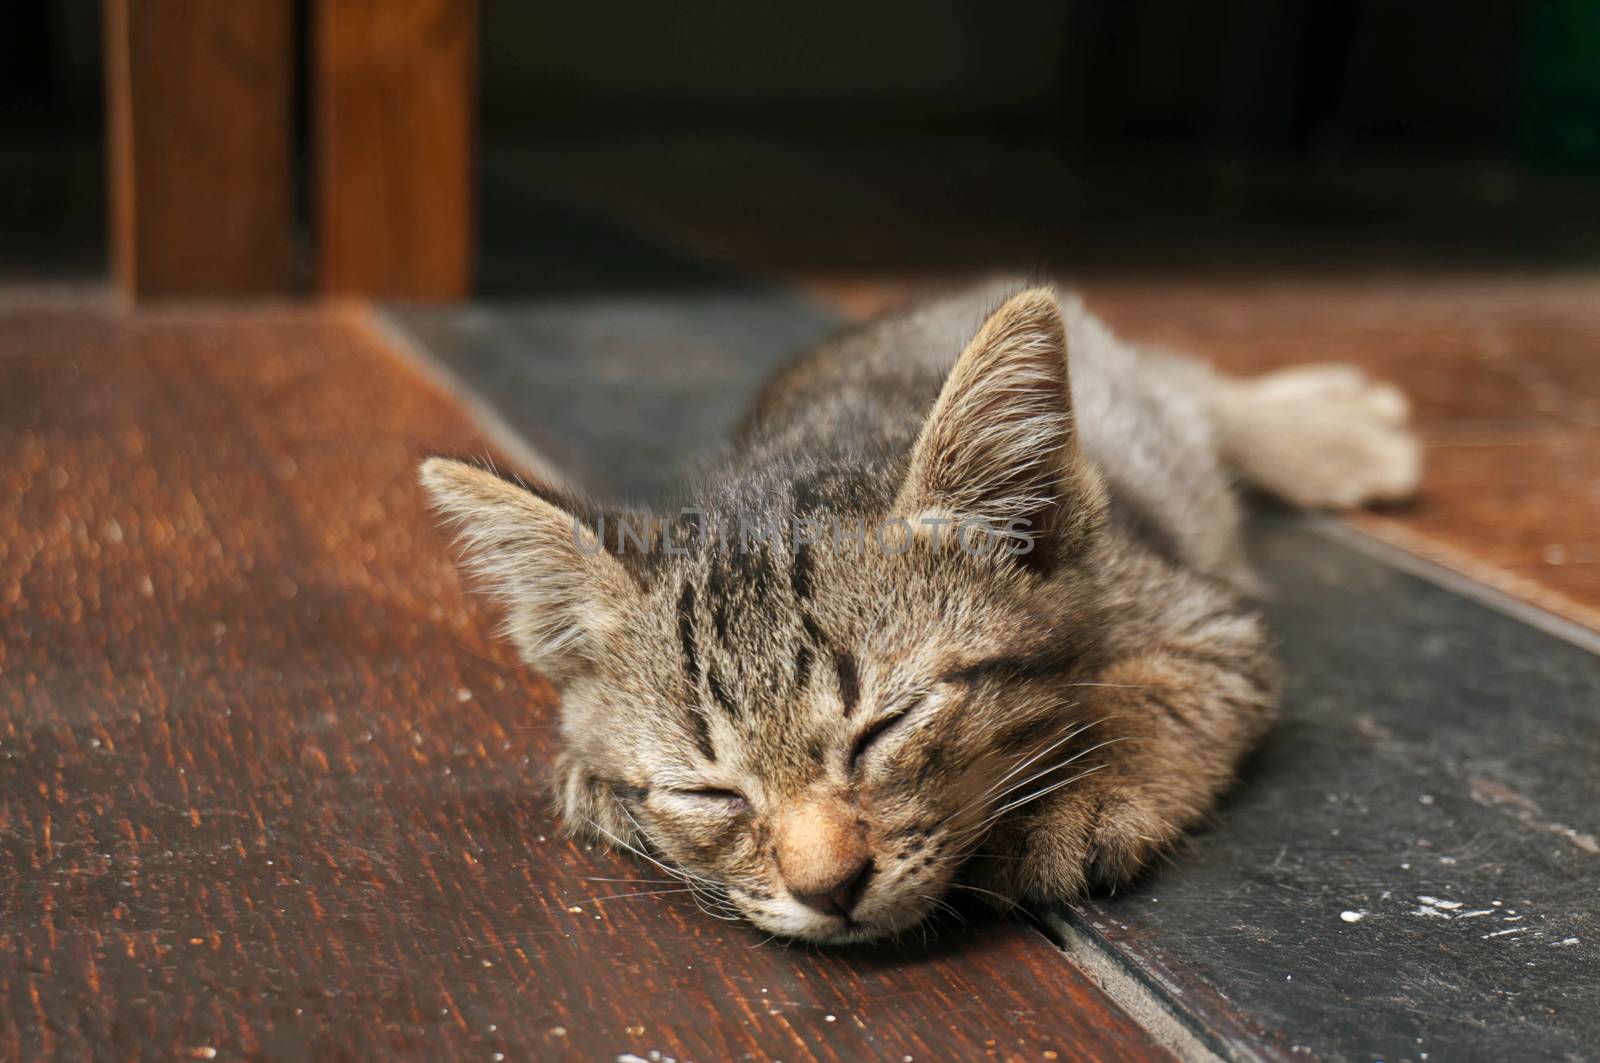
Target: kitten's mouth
(839,930)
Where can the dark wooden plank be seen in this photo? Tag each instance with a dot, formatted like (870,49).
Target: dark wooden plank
(269,790)
(394,117)
(200,117)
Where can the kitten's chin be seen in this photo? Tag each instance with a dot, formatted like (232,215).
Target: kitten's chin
(828,930)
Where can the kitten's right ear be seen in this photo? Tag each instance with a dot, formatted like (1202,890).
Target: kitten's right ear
(563,593)
(1000,443)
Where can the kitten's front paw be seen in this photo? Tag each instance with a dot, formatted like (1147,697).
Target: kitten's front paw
(1093,840)
(1127,837)
(1323,437)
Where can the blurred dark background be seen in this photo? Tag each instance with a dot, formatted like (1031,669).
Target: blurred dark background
(904,134)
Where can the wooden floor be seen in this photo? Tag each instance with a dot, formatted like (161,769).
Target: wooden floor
(268,790)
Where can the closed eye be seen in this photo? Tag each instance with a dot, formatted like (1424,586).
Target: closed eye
(733,800)
(870,736)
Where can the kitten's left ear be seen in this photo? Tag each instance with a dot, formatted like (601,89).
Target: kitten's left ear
(1000,444)
(564,594)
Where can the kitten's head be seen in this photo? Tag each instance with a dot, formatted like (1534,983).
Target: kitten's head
(818,734)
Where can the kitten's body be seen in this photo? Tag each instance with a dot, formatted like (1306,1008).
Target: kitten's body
(830,737)
(1150,435)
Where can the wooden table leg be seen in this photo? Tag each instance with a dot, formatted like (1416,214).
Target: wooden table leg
(394,124)
(199,105)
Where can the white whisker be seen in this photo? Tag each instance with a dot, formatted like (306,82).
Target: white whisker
(641,893)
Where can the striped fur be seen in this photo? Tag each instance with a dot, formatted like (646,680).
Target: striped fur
(1028,722)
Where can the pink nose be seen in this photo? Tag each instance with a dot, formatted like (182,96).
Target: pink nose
(841,897)
(823,857)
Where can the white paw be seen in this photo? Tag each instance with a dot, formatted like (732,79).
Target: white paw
(1325,437)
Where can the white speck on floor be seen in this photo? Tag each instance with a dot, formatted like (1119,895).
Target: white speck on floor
(1448,860)
(203,1052)
(1503,933)
(463,694)
(1423,909)
(1426,799)
(629,1057)
(1352,916)
(574,908)
(830,1018)
(1567,941)
(1476,912)
(1440,902)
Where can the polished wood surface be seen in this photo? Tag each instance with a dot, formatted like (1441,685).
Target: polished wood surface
(1505,385)
(199,105)
(269,789)
(394,113)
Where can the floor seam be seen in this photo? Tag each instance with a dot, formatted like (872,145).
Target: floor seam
(1454,581)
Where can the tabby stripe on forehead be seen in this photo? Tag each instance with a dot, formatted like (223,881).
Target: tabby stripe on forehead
(702,732)
(717,593)
(802,666)
(800,571)
(691,667)
(849,680)
(691,662)
(719,693)
(843,664)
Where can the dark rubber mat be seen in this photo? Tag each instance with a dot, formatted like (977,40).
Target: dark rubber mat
(1410,867)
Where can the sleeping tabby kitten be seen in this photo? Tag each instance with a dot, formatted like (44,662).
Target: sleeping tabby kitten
(945,615)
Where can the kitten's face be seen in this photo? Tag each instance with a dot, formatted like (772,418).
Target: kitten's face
(818,738)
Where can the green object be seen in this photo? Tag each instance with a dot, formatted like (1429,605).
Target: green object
(1560,114)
